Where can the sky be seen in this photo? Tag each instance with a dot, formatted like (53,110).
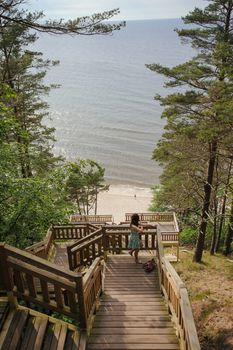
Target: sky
(129,9)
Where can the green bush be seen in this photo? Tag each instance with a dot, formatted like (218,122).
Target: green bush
(188,236)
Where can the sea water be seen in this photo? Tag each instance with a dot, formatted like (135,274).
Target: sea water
(105,109)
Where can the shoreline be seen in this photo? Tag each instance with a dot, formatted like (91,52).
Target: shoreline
(121,199)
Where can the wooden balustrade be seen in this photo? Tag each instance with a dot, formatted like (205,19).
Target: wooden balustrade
(171,237)
(84,251)
(116,238)
(176,295)
(152,217)
(42,248)
(109,238)
(92,284)
(69,232)
(98,219)
(32,279)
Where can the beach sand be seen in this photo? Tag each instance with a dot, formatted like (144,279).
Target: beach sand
(121,199)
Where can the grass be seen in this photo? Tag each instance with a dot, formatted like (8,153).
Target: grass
(210,287)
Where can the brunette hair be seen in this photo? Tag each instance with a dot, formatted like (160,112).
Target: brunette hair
(134,219)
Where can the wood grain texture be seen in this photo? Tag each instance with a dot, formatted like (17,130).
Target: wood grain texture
(132,313)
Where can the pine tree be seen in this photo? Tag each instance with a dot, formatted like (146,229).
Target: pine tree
(23,70)
(206,105)
(84,180)
(88,25)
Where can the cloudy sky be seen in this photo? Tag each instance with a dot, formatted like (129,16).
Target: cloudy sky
(130,9)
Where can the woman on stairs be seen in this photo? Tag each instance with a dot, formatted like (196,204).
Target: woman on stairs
(134,238)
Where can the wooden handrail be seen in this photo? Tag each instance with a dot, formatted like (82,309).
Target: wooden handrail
(33,279)
(92,284)
(152,217)
(176,226)
(91,218)
(176,295)
(113,238)
(42,248)
(85,253)
(70,232)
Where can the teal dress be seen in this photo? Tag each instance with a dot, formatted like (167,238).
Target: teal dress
(134,240)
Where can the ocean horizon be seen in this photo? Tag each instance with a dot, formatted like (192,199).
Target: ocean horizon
(105,108)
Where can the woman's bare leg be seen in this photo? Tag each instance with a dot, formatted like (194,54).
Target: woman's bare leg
(136,255)
(131,252)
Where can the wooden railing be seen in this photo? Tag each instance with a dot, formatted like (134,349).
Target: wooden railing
(177,298)
(92,288)
(152,217)
(32,279)
(42,248)
(97,219)
(116,238)
(109,238)
(28,277)
(84,251)
(70,232)
(60,232)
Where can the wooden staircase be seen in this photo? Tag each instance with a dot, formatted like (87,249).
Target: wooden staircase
(132,313)
(26,329)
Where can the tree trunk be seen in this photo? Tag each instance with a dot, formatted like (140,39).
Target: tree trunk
(87,202)
(229,236)
(96,193)
(223,208)
(214,236)
(206,203)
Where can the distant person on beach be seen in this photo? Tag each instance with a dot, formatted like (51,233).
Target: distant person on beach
(134,238)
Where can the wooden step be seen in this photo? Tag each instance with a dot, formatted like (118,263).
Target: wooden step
(29,329)
(132,314)
(4,310)
(13,336)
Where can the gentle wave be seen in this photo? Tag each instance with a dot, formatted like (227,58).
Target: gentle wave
(105,109)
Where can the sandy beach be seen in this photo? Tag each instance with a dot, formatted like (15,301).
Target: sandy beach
(121,199)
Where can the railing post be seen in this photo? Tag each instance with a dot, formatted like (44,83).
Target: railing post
(3,282)
(5,278)
(104,242)
(81,302)
(69,254)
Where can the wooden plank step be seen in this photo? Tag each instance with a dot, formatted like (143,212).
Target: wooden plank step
(130,273)
(133,324)
(123,280)
(133,298)
(135,307)
(135,288)
(126,318)
(132,312)
(112,302)
(56,335)
(133,339)
(62,337)
(140,292)
(4,309)
(130,330)
(133,347)
(48,337)
(27,333)
(72,341)
(14,332)
(31,333)
(40,333)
